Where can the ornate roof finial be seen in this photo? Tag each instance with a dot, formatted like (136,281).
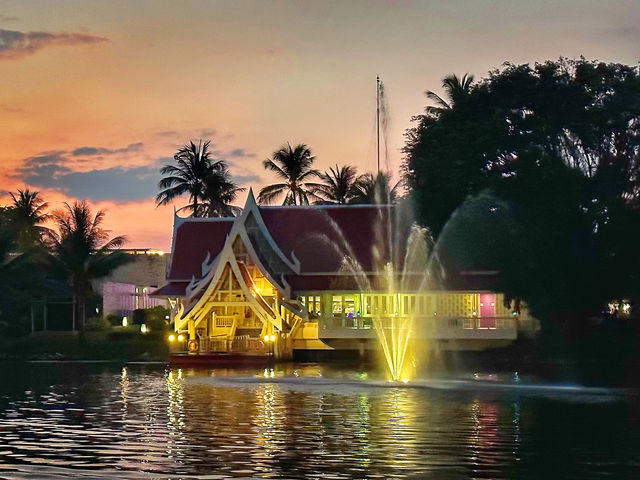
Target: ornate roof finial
(251,200)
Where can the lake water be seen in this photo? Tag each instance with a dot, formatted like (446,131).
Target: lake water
(71,420)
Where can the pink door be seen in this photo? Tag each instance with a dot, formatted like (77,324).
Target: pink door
(487,310)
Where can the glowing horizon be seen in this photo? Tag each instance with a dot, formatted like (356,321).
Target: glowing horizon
(94,99)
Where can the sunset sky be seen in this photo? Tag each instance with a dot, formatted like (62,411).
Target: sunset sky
(95,96)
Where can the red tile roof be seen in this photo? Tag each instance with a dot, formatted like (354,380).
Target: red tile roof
(321,236)
(193,239)
(311,283)
(373,281)
(171,289)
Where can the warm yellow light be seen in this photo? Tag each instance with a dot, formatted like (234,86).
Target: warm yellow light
(125,321)
(143,328)
(172,337)
(180,337)
(266,338)
(272,338)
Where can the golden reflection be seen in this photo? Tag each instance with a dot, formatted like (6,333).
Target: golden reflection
(175,413)
(364,429)
(309,370)
(269,419)
(124,392)
(399,416)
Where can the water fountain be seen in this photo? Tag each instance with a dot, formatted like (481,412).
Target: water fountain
(396,334)
(403,261)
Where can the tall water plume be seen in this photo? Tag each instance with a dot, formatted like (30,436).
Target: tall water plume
(402,262)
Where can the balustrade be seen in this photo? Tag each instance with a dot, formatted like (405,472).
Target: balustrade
(455,323)
(241,343)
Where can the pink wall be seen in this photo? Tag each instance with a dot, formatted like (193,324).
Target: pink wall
(123,299)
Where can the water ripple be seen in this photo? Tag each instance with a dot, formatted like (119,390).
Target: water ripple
(314,422)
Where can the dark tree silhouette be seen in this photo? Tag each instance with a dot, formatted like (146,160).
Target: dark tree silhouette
(27,214)
(559,142)
(375,189)
(20,277)
(82,251)
(219,194)
(338,186)
(456,89)
(293,166)
(206,181)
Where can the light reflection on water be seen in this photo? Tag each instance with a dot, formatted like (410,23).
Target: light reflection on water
(302,421)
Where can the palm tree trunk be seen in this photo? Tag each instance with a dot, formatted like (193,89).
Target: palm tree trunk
(195,205)
(73,314)
(80,303)
(84,313)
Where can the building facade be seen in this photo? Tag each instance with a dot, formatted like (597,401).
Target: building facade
(291,280)
(129,286)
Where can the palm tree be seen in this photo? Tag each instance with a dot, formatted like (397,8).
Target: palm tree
(219,193)
(82,251)
(338,185)
(194,165)
(19,276)
(375,189)
(26,216)
(456,89)
(293,167)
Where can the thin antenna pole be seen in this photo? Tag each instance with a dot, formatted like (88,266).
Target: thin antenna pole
(378,118)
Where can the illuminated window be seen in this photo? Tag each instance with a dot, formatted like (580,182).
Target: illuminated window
(316,308)
(348,305)
(337,306)
(312,303)
(344,305)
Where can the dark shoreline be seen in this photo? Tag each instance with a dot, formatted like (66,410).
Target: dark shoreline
(601,354)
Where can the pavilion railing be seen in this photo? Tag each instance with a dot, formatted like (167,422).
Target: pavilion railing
(222,344)
(455,323)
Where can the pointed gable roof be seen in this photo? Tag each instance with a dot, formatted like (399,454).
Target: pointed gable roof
(308,240)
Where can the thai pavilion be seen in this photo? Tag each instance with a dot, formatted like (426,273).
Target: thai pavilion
(310,281)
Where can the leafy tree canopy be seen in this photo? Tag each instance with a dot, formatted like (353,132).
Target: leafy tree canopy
(559,142)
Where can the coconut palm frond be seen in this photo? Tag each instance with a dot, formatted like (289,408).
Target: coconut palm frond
(204,179)
(456,89)
(294,166)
